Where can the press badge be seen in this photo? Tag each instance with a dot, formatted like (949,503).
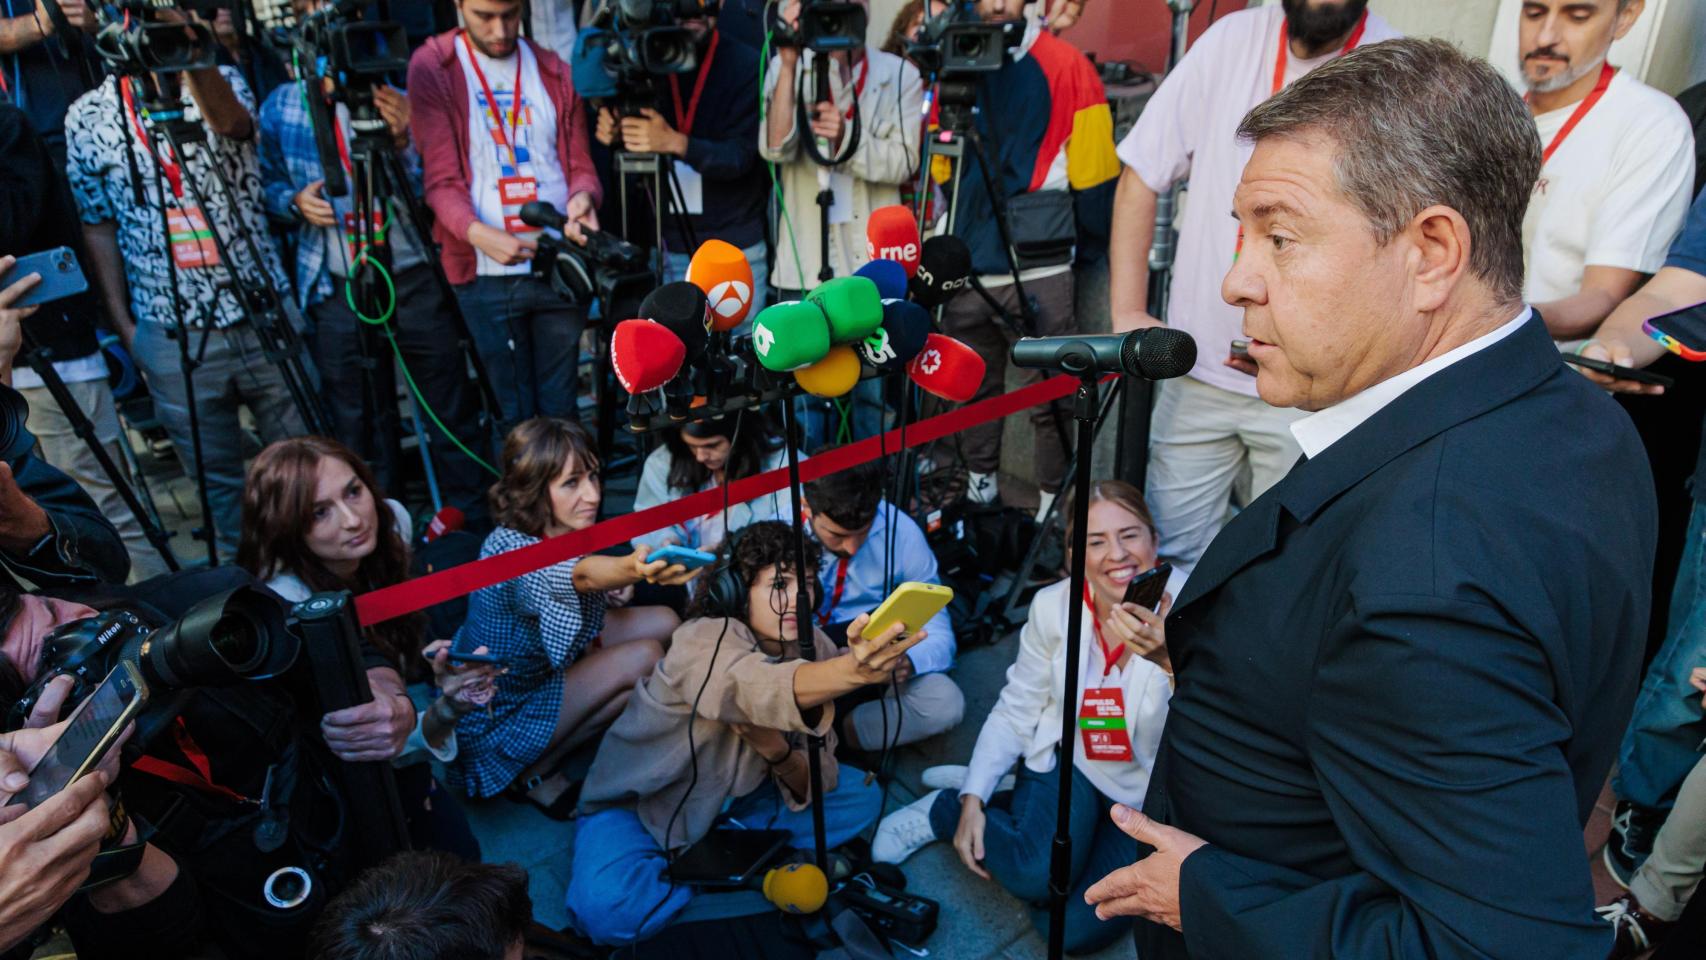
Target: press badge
(193,246)
(1101,722)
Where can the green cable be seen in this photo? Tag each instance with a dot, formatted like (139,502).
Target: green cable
(420,399)
(775,183)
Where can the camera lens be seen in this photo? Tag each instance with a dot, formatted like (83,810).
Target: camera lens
(969,46)
(236,641)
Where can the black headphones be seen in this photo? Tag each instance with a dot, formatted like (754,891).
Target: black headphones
(726,594)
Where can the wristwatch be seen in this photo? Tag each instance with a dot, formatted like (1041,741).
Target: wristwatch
(296,212)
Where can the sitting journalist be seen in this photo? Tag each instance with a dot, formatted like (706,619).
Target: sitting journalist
(51,532)
(716,736)
(571,662)
(1001,826)
(312,524)
(703,455)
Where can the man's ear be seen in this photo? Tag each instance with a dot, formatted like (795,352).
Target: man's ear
(1442,245)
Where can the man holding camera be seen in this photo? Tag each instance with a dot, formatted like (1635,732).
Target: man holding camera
(327,256)
(150,218)
(708,128)
(1047,150)
(500,126)
(43,70)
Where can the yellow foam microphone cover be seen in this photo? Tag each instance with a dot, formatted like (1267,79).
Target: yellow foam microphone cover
(833,376)
(796,888)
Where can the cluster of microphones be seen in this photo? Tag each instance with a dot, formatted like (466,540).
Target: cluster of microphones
(681,351)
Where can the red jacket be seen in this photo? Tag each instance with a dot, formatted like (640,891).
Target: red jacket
(438,101)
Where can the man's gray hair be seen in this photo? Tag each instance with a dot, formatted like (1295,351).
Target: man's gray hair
(1417,123)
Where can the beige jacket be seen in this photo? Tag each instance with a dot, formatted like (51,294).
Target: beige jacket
(890,115)
(644,760)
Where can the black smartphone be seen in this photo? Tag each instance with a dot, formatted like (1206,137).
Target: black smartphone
(1622,373)
(93,728)
(457,656)
(1146,588)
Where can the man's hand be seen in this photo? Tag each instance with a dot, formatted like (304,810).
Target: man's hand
(1620,355)
(504,247)
(874,659)
(11,318)
(1125,321)
(1697,680)
(45,855)
(607,127)
(375,730)
(827,123)
(790,15)
(394,107)
(22,522)
(1064,13)
(77,13)
(316,209)
(1148,888)
(651,133)
(580,217)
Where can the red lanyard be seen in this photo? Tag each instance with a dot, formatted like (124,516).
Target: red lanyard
(498,134)
(859,86)
(1279,61)
(1110,655)
(200,778)
(343,148)
(835,597)
(1606,72)
(174,173)
(684,121)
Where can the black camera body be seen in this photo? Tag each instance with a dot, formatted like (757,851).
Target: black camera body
(139,44)
(630,43)
(825,26)
(958,44)
(356,54)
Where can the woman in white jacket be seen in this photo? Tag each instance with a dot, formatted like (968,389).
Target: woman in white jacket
(1003,826)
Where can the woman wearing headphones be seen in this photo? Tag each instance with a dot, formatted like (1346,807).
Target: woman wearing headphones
(715,737)
(1001,826)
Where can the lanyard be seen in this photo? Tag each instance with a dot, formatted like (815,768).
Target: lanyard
(835,596)
(200,778)
(343,148)
(1606,72)
(498,134)
(684,120)
(1110,655)
(174,173)
(859,86)
(1279,61)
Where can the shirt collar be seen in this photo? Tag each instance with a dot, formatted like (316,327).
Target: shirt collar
(1323,428)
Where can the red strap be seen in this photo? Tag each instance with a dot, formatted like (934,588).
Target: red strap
(835,597)
(503,139)
(1110,655)
(174,173)
(343,148)
(199,778)
(1606,72)
(684,120)
(859,86)
(1279,61)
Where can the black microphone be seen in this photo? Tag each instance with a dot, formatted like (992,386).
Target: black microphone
(538,213)
(1152,353)
(944,269)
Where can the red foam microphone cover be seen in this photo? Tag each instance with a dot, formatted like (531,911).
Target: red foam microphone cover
(947,368)
(892,234)
(447,520)
(645,354)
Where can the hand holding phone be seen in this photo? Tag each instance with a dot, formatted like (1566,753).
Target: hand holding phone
(1147,588)
(675,555)
(1617,372)
(98,724)
(61,276)
(912,603)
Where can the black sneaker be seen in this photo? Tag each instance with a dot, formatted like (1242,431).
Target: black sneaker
(1635,829)
(1618,863)
(1636,930)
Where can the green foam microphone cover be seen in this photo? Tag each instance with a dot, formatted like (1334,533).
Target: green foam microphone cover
(790,335)
(853,305)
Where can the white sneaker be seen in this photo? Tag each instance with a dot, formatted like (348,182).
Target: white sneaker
(953,777)
(982,488)
(905,831)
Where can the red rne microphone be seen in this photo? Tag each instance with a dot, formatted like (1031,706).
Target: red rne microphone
(892,234)
(645,355)
(447,520)
(947,368)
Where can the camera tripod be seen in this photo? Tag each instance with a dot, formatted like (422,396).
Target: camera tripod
(259,302)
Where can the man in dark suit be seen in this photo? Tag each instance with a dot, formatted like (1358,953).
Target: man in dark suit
(1401,671)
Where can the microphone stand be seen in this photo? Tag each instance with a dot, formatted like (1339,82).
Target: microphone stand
(1084,410)
(805,617)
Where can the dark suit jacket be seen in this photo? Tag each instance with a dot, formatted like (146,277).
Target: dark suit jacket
(1402,676)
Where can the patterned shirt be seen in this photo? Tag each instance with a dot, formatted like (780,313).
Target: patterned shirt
(109,166)
(538,624)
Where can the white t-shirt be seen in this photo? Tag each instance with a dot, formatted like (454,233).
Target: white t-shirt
(534,138)
(1615,192)
(1189,131)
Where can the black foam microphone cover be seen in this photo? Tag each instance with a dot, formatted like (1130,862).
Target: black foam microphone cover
(681,306)
(944,269)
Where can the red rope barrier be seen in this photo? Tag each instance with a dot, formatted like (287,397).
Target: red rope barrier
(423,592)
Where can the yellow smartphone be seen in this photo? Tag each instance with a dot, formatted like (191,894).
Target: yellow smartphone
(911,603)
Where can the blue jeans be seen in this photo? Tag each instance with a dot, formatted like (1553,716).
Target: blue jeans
(618,892)
(529,340)
(1018,835)
(675,268)
(1662,743)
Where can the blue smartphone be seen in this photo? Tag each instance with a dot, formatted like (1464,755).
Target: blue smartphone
(685,556)
(61,277)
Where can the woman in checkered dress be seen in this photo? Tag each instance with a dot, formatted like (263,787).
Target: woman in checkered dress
(571,662)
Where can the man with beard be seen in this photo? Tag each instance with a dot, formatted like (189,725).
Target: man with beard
(1211,427)
(1618,165)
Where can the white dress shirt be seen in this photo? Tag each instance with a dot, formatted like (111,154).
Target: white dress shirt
(1323,428)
